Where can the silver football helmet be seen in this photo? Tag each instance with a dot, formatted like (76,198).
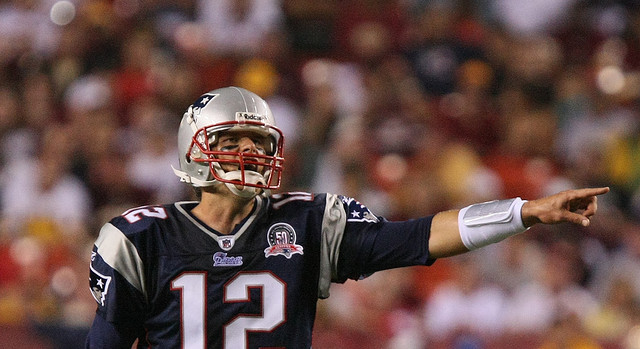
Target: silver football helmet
(230,109)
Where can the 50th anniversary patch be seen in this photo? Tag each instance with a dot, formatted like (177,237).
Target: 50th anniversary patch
(282,241)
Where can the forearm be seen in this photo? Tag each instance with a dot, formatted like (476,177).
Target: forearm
(444,240)
(475,226)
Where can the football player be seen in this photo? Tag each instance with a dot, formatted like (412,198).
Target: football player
(241,268)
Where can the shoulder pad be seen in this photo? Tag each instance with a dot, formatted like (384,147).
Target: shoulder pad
(358,212)
(140,217)
(279,200)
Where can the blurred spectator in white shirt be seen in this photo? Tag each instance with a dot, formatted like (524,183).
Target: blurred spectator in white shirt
(43,188)
(238,27)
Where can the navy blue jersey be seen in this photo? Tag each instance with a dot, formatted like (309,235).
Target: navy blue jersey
(162,276)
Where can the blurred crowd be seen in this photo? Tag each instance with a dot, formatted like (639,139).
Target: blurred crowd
(410,106)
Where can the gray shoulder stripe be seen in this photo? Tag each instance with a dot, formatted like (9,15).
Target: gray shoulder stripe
(333,224)
(119,253)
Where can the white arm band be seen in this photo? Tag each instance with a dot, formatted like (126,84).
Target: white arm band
(490,222)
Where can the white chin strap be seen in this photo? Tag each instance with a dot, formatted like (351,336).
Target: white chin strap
(246,191)
(249,177)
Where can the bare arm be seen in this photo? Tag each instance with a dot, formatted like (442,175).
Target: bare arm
(573,206)
(444,240)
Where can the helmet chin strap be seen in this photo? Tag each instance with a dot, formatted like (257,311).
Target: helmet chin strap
(250,177)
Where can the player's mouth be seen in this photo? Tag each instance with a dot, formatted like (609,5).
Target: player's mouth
(251,167)
(250,164)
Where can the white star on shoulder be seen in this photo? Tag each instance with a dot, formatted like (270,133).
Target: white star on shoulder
(355,214)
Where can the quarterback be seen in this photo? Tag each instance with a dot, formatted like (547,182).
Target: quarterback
(242,268)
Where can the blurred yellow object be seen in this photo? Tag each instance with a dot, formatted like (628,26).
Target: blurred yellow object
(573,343)
(458,162)
(99,13)
(623,162)
(475,73)
(12,307)
(44,229)
(259,76)
(609,324)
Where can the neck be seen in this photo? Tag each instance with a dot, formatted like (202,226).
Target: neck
(222,210)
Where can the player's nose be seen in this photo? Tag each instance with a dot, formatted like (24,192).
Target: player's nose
(247,145)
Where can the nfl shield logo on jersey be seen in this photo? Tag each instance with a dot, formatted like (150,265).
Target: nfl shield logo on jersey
(282,241)
(226,243)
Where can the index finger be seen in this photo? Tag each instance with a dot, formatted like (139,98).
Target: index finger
(587,192)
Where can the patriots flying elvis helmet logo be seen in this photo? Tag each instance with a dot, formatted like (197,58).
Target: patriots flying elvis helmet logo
(201,103)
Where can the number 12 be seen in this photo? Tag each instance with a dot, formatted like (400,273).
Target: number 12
(193,292)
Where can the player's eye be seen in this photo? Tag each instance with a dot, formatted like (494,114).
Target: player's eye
(229,148)
(260,144)
(231,143)
(228,143)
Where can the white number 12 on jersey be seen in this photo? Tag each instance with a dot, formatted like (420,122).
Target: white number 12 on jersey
(193,302)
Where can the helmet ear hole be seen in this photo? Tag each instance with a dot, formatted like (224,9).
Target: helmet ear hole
(187,158)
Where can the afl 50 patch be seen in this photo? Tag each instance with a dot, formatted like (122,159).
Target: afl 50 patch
(282,241)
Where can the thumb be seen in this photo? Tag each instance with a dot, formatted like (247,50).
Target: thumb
(576,218)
